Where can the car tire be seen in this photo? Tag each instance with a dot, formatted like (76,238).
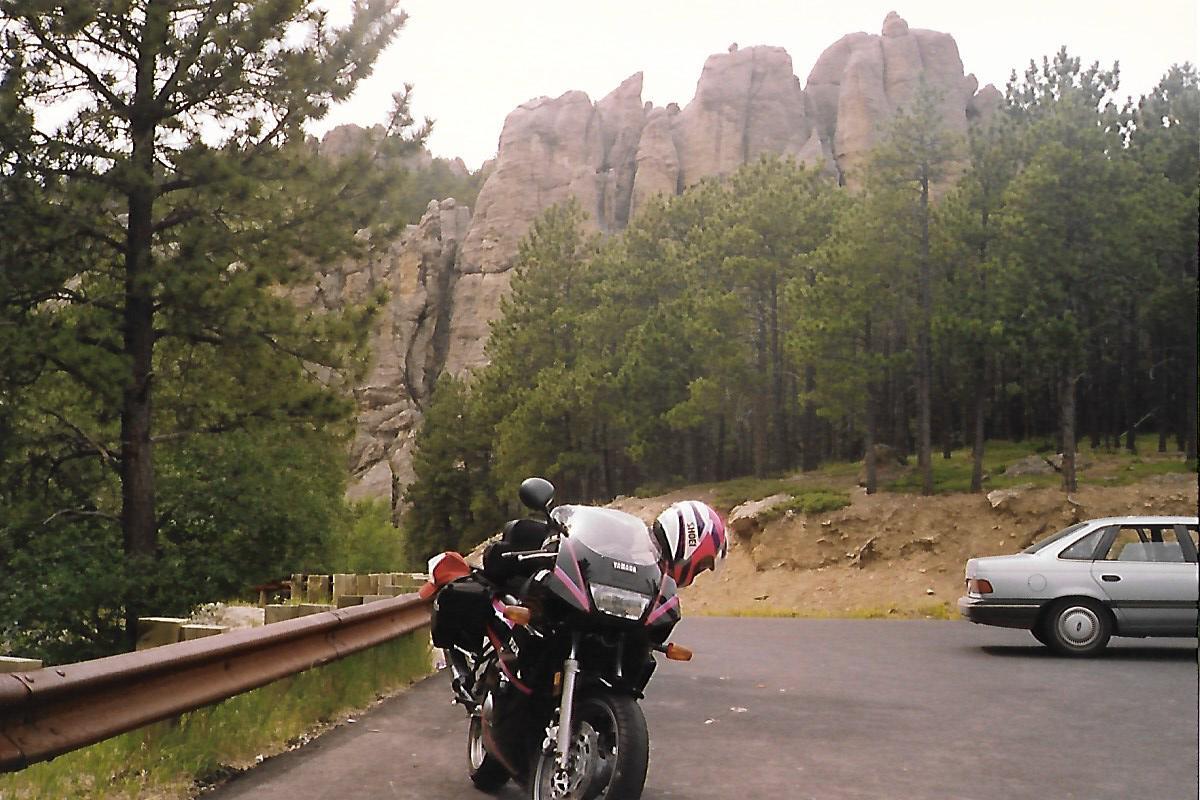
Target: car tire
(1077,627)
(1041,632)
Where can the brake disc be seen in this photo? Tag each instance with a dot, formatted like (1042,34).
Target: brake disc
(583,757)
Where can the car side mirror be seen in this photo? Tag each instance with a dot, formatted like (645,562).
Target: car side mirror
(537,494)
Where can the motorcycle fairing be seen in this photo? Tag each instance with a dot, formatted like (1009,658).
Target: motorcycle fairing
(664,611)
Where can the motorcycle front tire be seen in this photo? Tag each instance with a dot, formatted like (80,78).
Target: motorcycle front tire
(487,773)
(624,750)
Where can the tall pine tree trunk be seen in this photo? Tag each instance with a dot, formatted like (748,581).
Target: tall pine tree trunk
(1129,378)
(780,434)
(1189,430)
(1066,388)
(869,443)
(138,519)
(979,412)
(924,347)
(811,457)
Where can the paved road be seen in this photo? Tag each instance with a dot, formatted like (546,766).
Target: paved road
(775,709)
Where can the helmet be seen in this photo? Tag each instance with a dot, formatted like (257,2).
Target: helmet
(691,536)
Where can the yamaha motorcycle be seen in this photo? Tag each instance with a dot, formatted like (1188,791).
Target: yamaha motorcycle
(551,646)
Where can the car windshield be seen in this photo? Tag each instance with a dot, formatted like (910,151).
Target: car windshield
(1052,538)
(611,533)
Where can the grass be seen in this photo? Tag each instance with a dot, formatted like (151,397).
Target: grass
(731,493)
(1108,468)
(827,488)
(1140,468)
(929,611)
(171,759)
(810,501)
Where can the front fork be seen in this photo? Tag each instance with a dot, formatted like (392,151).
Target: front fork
(566,709)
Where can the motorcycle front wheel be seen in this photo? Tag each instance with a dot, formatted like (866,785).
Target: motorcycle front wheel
(610,750)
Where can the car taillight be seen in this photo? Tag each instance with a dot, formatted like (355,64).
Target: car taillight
(979,586)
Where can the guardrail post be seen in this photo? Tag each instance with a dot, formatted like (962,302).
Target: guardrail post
(313,608)
(278,612)
(195,631)
(318,589)
(157,631)
(343,584)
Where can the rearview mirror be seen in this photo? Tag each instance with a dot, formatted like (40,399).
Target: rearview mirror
(537,494)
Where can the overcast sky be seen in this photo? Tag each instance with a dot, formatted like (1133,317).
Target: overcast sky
(474,61)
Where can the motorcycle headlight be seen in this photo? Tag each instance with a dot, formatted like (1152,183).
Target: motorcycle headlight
(620,602)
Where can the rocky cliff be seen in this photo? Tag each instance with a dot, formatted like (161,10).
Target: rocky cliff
(448,273)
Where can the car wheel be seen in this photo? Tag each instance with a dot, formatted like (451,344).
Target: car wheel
(1077,627)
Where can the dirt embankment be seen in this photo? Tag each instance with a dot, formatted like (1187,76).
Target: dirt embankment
(897,554)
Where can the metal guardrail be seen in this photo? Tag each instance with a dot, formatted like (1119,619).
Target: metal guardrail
(51,711)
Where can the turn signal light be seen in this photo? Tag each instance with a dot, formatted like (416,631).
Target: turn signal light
(517,615)
(677,652)
(979,586)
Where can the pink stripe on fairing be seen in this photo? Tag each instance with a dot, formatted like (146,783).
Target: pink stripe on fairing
(663,609)
(575,588)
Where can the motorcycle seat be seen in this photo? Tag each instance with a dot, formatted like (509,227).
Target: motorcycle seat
(525,534)
(503,563)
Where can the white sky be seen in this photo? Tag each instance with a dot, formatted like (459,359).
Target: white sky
(474,61)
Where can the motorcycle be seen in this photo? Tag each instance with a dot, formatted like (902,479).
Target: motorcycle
(550,644)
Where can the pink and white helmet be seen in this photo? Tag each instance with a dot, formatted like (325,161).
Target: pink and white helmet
(691,536)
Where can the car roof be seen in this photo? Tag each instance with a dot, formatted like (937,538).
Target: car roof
(1145,520)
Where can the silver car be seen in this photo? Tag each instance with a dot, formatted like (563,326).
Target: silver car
(1120,576)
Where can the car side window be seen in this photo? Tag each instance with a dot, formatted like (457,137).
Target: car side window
(1146,543)
(1187,536)
(1085,548)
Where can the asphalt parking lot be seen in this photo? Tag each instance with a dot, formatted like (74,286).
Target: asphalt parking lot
(781,708)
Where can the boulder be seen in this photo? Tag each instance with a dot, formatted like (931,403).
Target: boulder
(1030,465)
(1004,499)
(743,519)
(865,554)
(1056,461)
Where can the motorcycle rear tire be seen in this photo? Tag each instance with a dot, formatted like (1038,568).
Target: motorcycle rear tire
(621,729)
(487,773)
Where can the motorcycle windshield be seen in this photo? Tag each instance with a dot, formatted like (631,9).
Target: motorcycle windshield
(609,533)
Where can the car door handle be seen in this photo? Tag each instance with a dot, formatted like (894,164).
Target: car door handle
(1110,578)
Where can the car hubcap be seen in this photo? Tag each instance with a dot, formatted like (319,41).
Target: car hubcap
(1078,626)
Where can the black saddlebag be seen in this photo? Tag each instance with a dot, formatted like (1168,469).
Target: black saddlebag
(460,615)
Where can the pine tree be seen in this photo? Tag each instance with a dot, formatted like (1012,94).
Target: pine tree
(918,157)
(1064,224)
(185,169)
